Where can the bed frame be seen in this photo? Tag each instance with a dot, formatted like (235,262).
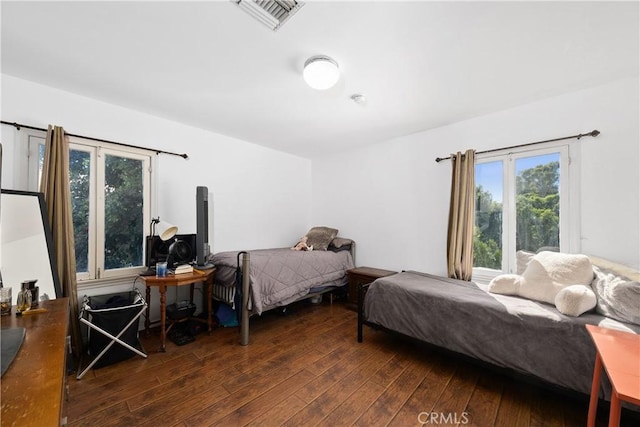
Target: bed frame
(362,292)
(244,316)
(629,411)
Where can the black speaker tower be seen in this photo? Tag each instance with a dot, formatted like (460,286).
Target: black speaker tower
(202,228)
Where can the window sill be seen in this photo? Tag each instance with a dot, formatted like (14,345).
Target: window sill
(484,275)
(129,280)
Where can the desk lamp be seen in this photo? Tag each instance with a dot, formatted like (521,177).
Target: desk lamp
(167,231)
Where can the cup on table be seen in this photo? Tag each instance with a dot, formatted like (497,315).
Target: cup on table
(161,269)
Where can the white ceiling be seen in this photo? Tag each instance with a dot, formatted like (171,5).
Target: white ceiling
(420,64)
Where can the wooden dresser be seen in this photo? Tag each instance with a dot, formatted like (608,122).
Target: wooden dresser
(34,386)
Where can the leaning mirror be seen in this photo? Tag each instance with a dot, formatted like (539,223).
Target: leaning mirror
(26,246)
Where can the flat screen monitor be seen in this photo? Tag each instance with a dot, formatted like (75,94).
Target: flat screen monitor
(184,252)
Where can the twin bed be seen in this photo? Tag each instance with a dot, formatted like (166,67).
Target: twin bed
(521,335)
(257,281)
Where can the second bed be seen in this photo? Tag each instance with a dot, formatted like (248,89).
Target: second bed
(253,282)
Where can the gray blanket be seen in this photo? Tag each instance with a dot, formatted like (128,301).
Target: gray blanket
(512,332)
(282,276)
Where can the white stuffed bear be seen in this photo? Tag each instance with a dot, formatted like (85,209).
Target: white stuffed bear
(550,277)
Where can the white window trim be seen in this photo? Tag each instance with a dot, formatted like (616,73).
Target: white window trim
(569,206)
(32,139)
(146,215)
(91,267)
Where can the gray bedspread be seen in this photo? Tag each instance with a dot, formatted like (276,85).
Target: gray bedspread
(512,332)
(282,276)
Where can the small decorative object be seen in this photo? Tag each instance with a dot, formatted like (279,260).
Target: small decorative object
(5,301)
(24,298)
(35,292)
(302,245)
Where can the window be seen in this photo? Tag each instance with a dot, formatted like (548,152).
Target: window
(522,203)
(110,192)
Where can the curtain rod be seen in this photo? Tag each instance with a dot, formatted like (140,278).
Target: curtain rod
(593,133)
(18,126)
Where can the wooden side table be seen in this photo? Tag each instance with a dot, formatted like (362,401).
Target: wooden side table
(361,276)
(619,353)
(204,276)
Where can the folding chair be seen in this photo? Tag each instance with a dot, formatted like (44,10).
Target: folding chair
(114,318)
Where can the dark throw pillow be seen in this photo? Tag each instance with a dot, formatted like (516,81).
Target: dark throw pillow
(320,237)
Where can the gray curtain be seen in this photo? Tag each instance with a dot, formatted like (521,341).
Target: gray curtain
(57,195)
(461,216)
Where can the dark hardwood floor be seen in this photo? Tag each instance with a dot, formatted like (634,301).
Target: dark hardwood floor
(306,368)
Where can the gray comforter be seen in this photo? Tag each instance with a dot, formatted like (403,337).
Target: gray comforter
(282,276)
(512,332)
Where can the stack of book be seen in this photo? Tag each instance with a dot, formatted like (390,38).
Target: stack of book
(183,269)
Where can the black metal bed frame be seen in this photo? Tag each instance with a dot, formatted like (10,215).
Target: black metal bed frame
(244,288)
(603,405)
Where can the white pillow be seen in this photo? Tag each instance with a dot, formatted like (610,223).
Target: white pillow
(575,300)
(618,297)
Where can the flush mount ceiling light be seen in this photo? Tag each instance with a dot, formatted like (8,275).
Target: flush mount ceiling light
(272,13)
(321,72)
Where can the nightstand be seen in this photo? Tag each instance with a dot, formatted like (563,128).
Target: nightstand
(162,283)
(361,276)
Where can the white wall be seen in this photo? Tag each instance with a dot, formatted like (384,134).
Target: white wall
(393,198)
(258,197)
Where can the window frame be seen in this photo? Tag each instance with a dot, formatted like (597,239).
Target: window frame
(103,151)
(90,274)
(569,190)
(98,151)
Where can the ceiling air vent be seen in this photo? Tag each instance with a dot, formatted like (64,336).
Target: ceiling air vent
(272,13)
